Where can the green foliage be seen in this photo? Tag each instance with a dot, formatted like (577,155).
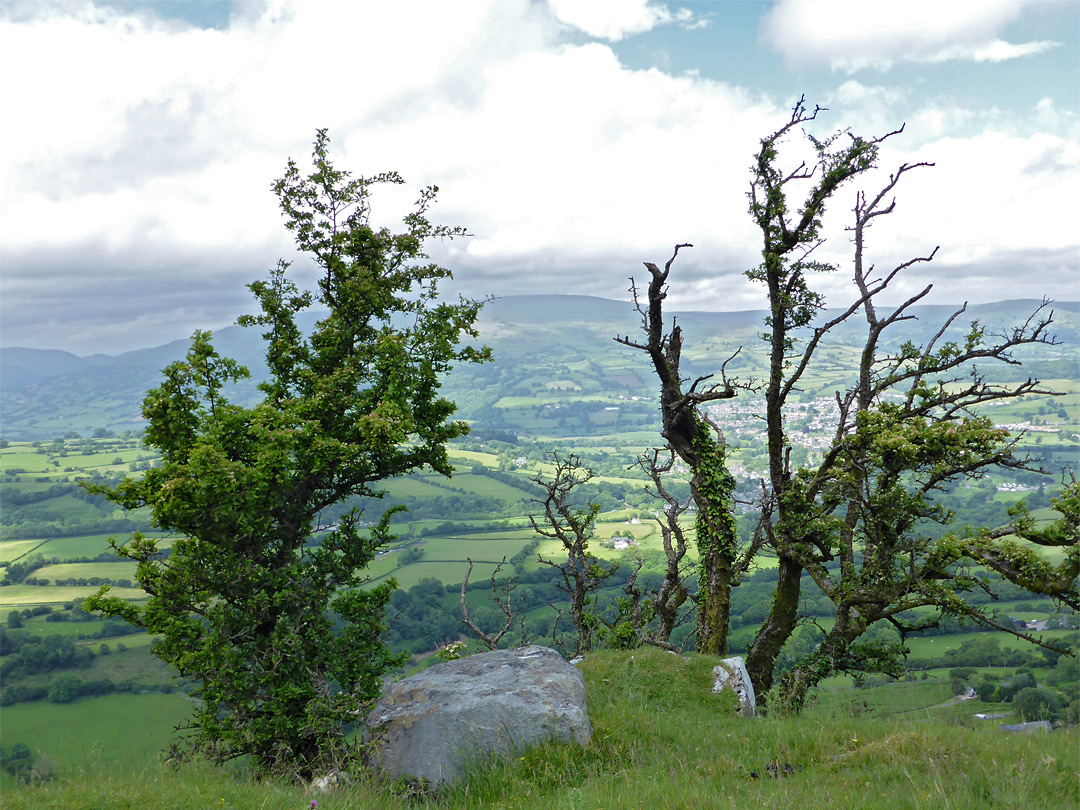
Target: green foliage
(655,725)
(277,630)
(18,761)
(1037,703)
(65,688)
(716,534)
(860,520)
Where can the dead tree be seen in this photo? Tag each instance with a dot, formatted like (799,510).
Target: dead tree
(505,603)
(582,572)
(700,444)
(667,599)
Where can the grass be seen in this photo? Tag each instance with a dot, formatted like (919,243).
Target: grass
(410,575)
(124,569)
(490,549)
(935,646)
(135,664)
(22,595)
(123,732)
(11,550)
(662,739)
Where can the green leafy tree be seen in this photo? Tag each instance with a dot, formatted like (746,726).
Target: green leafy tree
(854,520)
(18,760)
(65,688)
(1037,703)
(280,629)
(907,427)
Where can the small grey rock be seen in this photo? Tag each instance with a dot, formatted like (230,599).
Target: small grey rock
(732,674)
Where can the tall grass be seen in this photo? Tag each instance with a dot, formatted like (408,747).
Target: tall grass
(662,739)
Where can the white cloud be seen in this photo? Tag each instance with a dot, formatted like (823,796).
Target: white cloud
(851,35)
(614,20)
(145,151)
(999,51)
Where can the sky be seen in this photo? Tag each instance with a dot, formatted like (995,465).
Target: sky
(574,139)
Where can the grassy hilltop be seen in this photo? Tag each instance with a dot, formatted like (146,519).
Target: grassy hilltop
(662,739)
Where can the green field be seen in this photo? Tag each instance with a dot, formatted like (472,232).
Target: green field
(454,549)
(410,575)
(11,550)
(106,570)
(934,646)
(122,733)
(661,739)
(22,595)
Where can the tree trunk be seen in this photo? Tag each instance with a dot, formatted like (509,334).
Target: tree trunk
(776,630)
(712,488)
(823,662)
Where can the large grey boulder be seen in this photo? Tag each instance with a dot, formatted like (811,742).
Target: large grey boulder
(433,725)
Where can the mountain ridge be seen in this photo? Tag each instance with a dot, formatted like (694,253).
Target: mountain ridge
(537,340)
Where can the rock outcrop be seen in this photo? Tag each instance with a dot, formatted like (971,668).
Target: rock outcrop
(731,674)
(432,726)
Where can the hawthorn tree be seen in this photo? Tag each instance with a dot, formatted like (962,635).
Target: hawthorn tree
(908,426)
(278,625)
(856,521)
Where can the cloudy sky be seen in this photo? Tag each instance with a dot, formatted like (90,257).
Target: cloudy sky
(574,138)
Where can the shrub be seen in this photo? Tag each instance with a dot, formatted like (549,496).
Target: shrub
(1037,703)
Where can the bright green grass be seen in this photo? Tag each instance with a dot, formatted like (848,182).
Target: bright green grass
(480,485)
(101,460)
(109,570)
(64,548)
(447,573)
(133,641)
(467,546)
(89,545)
(22,595)
(934,646)
(662,739)
(413,488)
(121,732)
(39,627)
(11,550)
(472,457)
(31,462)
(520,536)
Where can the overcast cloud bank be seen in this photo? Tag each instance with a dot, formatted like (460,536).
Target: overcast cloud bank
(136,186)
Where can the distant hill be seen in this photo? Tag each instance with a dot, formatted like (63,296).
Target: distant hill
(553,355)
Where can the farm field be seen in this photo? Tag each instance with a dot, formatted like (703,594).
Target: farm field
(121,733)
(596,405)
(21,595)
(11,550)
(109,570)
